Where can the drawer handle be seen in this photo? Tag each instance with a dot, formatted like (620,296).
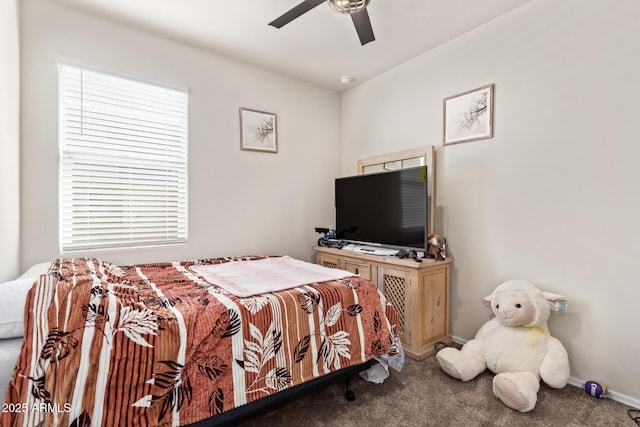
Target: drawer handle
(357,272)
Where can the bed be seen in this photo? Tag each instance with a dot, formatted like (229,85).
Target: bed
(187,342)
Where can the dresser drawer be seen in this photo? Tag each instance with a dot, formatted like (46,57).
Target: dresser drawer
(363,270)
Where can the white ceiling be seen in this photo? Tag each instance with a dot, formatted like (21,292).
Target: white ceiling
(320,46)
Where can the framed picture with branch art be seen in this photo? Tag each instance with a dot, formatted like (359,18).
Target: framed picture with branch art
(258,131)
(468,116)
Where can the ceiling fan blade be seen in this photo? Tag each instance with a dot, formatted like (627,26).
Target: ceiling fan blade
(295,12)
(363,26)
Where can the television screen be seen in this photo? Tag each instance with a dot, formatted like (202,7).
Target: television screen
(388,208)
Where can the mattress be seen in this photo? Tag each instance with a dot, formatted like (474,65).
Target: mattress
(9,352)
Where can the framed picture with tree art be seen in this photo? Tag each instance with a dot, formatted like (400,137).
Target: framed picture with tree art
(468,116)
(258,130)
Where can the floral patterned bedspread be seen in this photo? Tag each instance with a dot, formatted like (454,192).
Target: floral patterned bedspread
(156,344)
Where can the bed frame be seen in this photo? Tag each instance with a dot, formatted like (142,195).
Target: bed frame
(268,403)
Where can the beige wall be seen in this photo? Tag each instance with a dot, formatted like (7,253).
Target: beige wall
(9,140)
(553,197)
(240,202)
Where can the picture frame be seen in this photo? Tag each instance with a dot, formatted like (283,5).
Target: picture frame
(258,130)
(468,116)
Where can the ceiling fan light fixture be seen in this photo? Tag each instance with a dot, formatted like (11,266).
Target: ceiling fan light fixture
(348,6)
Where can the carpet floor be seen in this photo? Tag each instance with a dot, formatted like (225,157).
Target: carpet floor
(423,395)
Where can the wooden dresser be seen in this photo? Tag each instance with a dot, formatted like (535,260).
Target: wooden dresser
(419,291)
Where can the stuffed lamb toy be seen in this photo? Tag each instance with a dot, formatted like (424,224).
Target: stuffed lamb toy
(515,345)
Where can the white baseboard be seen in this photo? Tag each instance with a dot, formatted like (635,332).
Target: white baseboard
(613,395)
(458,340)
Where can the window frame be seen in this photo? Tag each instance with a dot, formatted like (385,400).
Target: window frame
(138,157)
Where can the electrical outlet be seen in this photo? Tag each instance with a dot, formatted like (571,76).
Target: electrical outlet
(561,306)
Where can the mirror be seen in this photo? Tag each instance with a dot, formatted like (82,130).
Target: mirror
(394,165)
(407,159)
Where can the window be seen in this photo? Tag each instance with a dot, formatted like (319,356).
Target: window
(123,162)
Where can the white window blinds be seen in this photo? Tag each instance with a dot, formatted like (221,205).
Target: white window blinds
(123,162)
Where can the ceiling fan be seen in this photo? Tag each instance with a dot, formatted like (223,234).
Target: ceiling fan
(356,8)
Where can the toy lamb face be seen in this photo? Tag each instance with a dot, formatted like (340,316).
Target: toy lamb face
(516,345)
(520,303)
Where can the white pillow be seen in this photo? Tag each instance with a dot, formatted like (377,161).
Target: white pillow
(36,270)
(13,298)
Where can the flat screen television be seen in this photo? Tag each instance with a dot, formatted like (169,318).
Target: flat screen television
(383,209)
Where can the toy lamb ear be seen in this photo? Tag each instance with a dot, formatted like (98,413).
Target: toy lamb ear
(554,299)
(487,301)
